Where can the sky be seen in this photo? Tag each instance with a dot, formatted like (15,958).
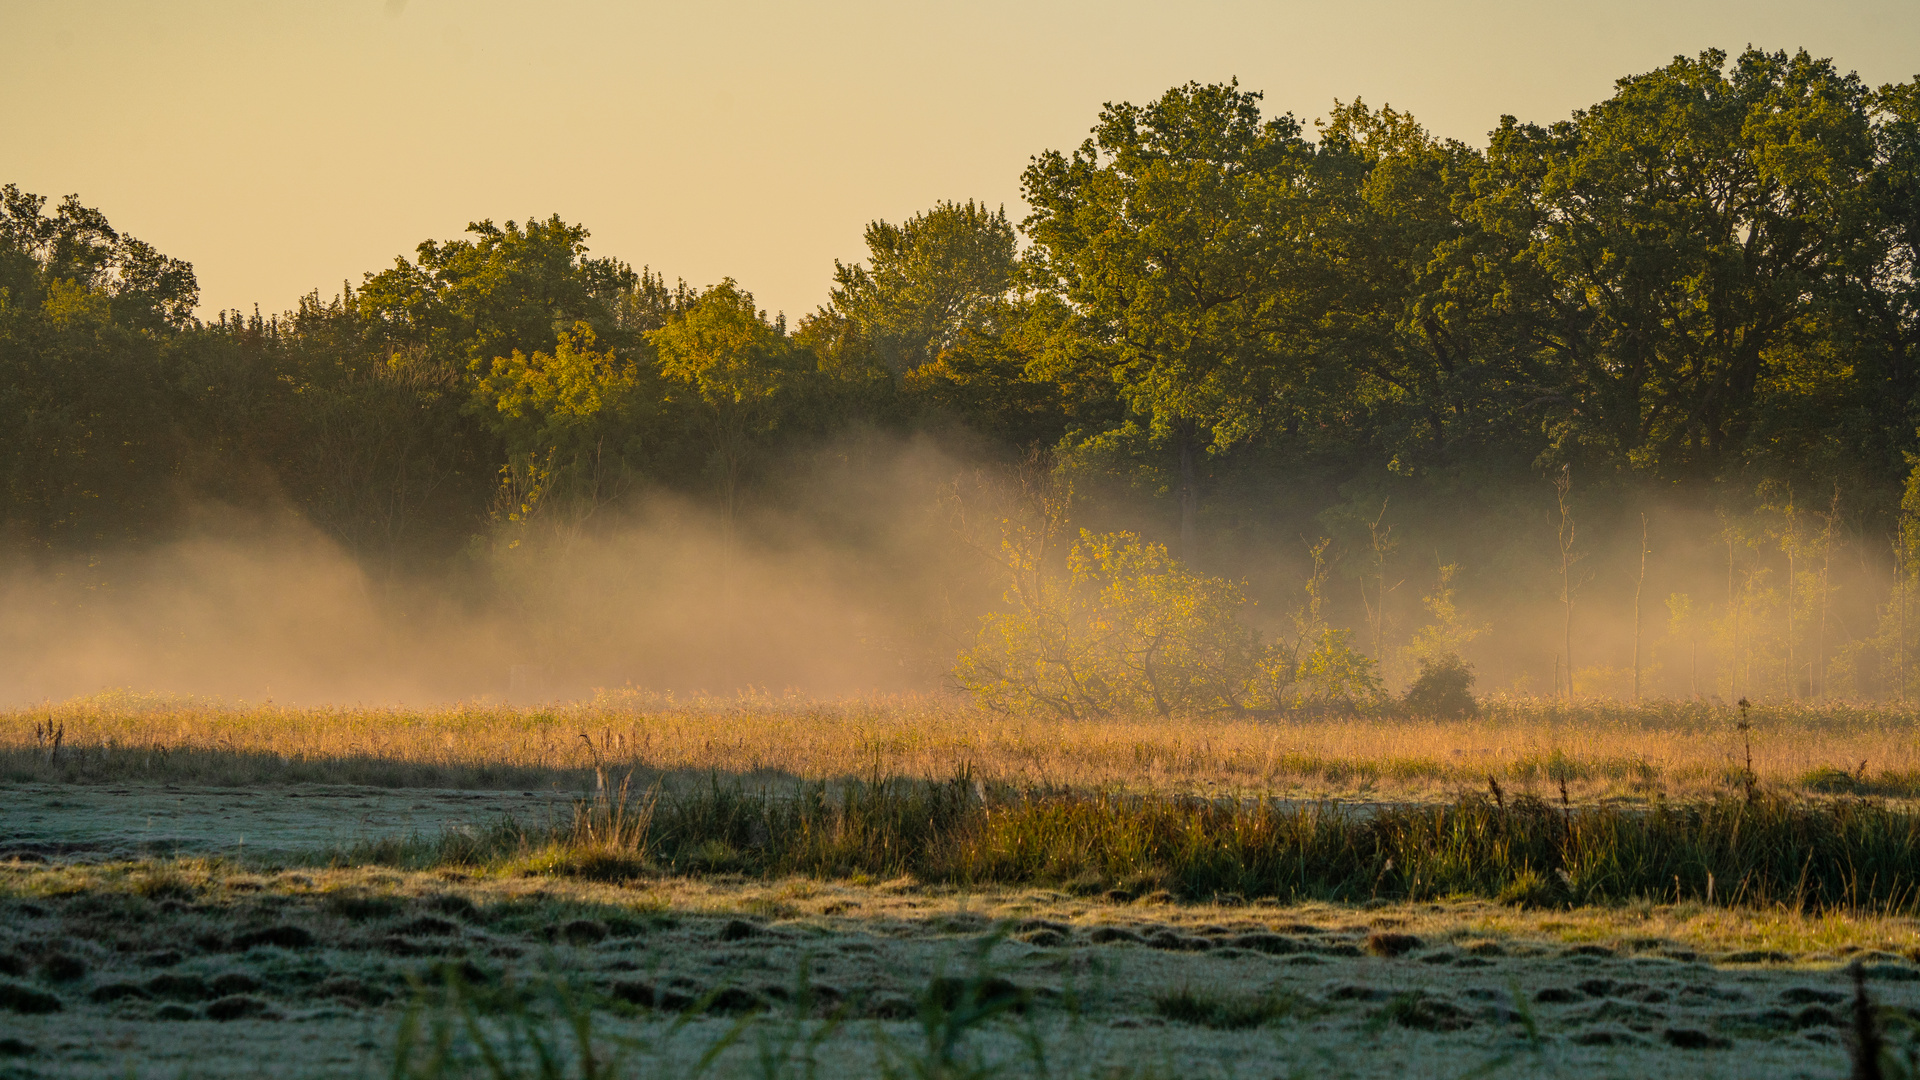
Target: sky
(283,147)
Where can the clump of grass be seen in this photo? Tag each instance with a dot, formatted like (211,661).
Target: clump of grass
(1224,1012)
(491,844)
(20,998)
(1829,780)
(1423,1012)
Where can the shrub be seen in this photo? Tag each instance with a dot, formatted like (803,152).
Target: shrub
(1444,689)
(1129,629)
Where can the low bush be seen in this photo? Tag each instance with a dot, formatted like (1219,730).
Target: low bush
(1443,691)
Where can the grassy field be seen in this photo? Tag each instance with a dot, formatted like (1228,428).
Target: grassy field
(1603,751)
(779,888)
(344,972)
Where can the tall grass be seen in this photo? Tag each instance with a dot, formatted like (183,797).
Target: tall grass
(1601,749)
(1808,855)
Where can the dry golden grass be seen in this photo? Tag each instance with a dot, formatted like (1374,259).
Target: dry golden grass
(1603,750)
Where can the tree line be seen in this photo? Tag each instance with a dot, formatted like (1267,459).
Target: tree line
(1704,283)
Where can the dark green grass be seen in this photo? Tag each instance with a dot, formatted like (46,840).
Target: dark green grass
(1224,1012)
(1848,853)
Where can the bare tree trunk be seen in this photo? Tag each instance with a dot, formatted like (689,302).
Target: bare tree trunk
(1791,539)
(1900,576)
(1733,622)
(1826,589)
(1638,588)
(1382,541)
(1563,488)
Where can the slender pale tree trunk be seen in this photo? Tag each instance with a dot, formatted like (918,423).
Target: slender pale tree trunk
(1733,623)
(1638,588)
(1563,489)
(1788,542)
(1900,576)
(1826,592)
(1382,540)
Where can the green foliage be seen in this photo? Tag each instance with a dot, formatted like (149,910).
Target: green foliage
(1168,231)
(1128,629)
(734,366)
(928,283)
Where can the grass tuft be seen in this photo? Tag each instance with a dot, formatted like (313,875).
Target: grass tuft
(1224,1012)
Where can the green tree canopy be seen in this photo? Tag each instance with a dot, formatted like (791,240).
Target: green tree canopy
(1172,234)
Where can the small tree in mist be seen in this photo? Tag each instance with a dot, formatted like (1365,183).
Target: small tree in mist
(1829,524)
(1449,632)
(1116,625)
(1126,629)
(1320,667)
(1884,661)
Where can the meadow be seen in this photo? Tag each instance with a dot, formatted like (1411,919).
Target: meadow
(1604,751)
(772,887)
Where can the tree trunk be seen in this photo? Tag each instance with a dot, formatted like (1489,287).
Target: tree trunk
(1189,493)
(1638,588)
(1563,487)
(1733,621)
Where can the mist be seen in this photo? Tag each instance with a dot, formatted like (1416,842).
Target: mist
(851,575)
(846,587)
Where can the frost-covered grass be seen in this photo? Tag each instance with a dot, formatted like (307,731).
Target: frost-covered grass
(336,972)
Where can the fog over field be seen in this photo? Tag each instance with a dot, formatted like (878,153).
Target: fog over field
(873,568)
(855,589)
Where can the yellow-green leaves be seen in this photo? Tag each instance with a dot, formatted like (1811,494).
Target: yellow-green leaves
(723,348)
(72,306)
(1128,629)
(554,403)
(575,383)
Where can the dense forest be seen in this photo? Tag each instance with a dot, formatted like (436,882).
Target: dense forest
(1230,328)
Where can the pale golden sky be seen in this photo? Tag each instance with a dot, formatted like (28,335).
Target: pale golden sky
(286,146)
